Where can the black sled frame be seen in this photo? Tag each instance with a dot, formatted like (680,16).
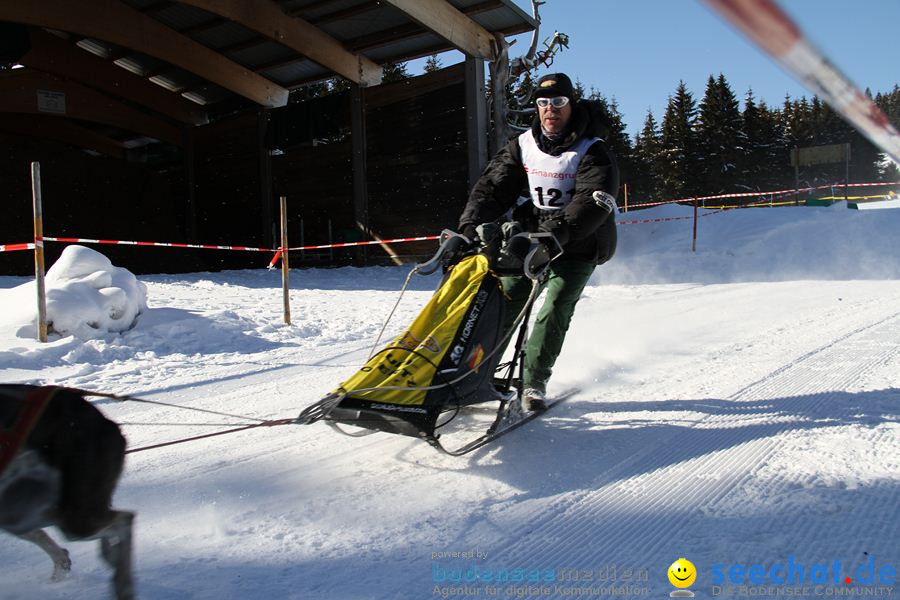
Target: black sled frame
(338,410)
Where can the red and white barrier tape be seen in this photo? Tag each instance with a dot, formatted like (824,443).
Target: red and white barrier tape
(772,29)
(717,197)
(762,194)
(764,199)
(14,247)
(667,219)
(424,238)
(369,243)
(163,244)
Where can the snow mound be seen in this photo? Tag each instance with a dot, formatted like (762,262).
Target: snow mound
(792,243)
(87,297)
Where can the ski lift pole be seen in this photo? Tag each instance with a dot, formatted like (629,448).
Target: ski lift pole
(39,251)
(285,289)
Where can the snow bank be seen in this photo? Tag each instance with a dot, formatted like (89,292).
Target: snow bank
(756,244)
(87,297)
(732,423)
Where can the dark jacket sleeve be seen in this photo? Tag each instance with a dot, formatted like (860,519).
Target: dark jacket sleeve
(497,189)
(582,216)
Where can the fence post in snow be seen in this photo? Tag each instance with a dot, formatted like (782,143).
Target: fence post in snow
(284,262)
(39,251)
(694,242)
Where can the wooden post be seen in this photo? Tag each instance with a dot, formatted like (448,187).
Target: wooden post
(190,176)
(284,262)
(476,119)
(846,170)
(694,242)
(330,242)
(360,166)
(626,197)
(39,251)
(265,177)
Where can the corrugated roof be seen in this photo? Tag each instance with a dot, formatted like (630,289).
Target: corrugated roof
(374,29)
(371,28)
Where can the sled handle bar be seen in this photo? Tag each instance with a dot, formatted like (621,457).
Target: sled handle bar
(534,271)
(450,242)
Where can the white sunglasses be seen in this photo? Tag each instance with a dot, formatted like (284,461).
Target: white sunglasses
(556,101)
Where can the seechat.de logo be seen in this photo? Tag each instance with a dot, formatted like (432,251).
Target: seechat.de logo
(682,575)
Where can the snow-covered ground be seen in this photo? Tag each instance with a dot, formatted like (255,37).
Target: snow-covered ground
(738,406)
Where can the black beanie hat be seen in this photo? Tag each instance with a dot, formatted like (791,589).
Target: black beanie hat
(554,84)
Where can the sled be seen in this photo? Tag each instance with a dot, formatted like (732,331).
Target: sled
(448,358)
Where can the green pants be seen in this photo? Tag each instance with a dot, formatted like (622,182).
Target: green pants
(564,286)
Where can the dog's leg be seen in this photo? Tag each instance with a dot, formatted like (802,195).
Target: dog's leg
(115,548)
(62,564)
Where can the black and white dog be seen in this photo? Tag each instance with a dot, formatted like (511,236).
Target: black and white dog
(62,470)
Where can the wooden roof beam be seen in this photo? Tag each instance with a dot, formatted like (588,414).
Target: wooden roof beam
(60,130)
(339,15)
(448,22)
(410,30)
(277,64)
(118,23)
(267,17)
(22,89)
(52,54)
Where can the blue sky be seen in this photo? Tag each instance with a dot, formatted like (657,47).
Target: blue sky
(638,50)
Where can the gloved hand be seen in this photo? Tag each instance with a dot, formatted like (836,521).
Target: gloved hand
(514,248)
(557,226)
(490,239)
(458,247)
(469,231)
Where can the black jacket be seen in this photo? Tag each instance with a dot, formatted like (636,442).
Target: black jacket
(585,230)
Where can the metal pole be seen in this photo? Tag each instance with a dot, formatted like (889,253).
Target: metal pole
(284,262)
(39,251)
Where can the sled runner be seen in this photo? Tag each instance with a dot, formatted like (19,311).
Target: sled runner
(448,357)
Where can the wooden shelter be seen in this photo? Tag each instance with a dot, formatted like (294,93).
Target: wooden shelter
(191,89)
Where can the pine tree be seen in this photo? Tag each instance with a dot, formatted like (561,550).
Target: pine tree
(719,136)
(777,173)
(892,106)
(432,64)
(615,135)
(798,125)
(620,143)
(755,144)
(889,103)
(393,71)
(865,157)
(313,90)
(521,105)
(646,161)
(679,146)
(579,91)
(338,85)
(821,132)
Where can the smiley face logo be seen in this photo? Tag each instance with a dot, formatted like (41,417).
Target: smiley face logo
(682,573)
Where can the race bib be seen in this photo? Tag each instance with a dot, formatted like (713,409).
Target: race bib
(551,179)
